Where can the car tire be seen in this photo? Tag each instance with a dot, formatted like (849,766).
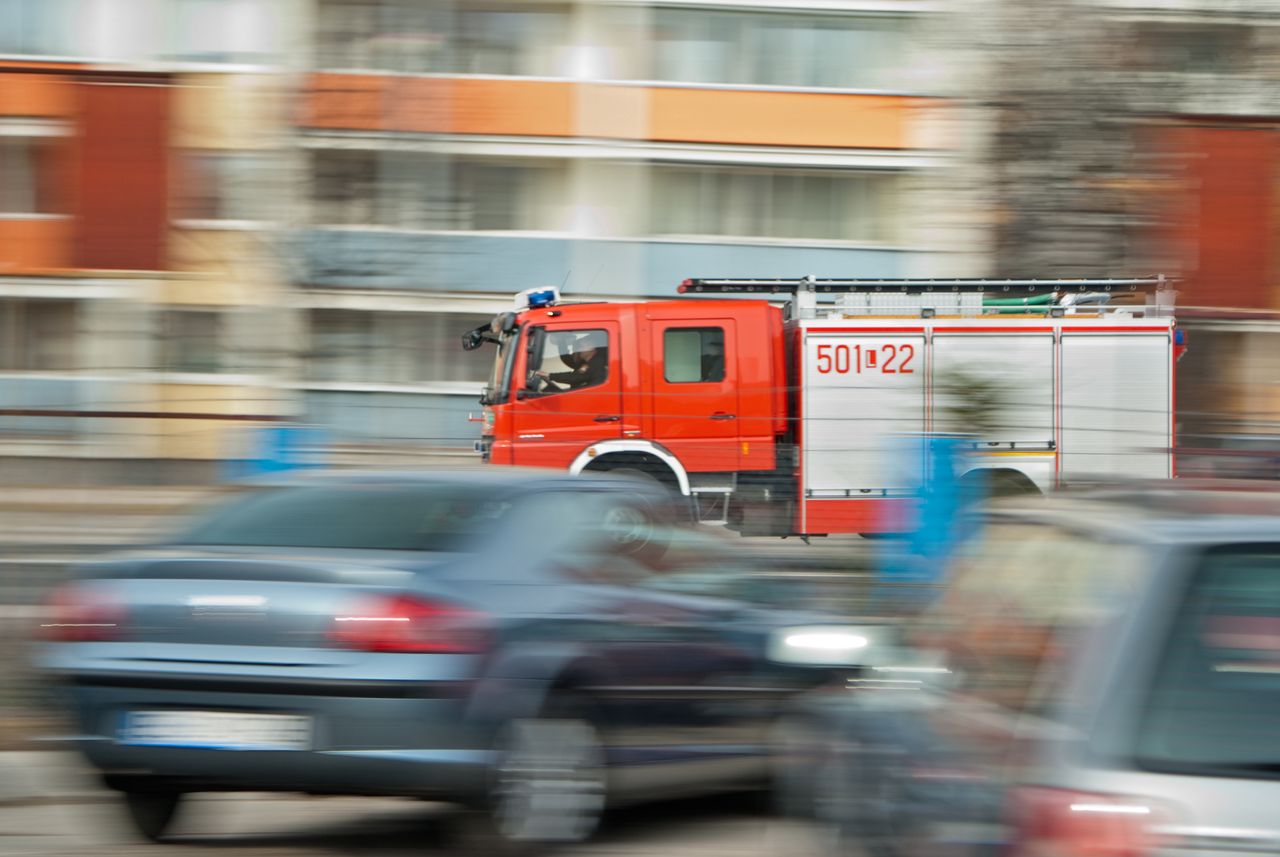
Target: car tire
(549,783)
(795,748)
(862,803)
(152,811)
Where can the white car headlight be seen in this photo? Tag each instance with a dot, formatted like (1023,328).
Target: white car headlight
(827,645)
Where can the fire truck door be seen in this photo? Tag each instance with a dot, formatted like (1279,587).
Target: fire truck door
(570,395)
(694,377)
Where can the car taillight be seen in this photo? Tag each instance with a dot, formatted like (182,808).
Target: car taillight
(407,623)
(79,613)
(1062,823)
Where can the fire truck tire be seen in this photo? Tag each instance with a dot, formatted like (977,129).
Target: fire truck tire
(995,484)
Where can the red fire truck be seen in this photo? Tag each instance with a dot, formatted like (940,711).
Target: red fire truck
(788,419)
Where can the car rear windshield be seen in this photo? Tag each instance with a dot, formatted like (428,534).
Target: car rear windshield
(1215,704)
(372,517)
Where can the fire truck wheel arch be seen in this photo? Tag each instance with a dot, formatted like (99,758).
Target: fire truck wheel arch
(611,454)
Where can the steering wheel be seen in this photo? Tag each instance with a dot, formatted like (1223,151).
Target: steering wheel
(537,383)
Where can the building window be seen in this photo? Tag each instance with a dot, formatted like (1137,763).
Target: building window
(511,40)
(224,31)
(37,336)
(218,185)
(379,34)
(1204,48)
(693,355)
(362,347)
(30,169)
(411,36)
(790,204)
(771,49)
(413,191)
(191,341)
(37,27)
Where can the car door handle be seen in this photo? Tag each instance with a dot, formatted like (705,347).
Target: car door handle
(721,415)
(608,419)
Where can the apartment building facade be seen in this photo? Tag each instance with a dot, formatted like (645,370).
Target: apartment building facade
(138,272)
(458,151)
(262,210)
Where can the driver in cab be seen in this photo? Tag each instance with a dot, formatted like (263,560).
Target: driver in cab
(588,361)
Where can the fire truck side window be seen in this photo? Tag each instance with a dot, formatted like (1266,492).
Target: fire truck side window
(693,354)
(570,360)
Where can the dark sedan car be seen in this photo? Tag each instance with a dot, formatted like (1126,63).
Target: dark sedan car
(513,642)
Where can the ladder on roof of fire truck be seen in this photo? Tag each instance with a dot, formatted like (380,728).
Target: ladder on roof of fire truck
(963,296)
(851,286)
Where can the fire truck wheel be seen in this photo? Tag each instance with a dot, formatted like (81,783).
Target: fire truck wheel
(637,473)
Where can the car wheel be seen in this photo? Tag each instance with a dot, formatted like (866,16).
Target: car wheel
(549,780)
(152,812)
(796,748)
(861,803)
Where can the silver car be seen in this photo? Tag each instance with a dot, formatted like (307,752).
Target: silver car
(1101,678)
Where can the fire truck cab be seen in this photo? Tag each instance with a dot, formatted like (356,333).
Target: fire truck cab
(784,420)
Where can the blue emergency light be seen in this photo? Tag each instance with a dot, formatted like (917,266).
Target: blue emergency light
(544,297)
(537,297)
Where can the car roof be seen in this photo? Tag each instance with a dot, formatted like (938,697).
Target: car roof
(1175,512)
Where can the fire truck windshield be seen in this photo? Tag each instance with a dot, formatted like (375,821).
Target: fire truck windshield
(500,375)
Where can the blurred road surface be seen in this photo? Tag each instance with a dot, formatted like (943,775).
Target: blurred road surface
(62,812)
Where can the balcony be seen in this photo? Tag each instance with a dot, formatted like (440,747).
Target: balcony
(673,113)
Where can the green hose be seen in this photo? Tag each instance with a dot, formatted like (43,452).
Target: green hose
(1034,300)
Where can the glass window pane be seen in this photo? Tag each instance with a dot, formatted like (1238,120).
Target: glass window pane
(692,355)
(835,206)
(1215,704)
(32,173)
(191,341)
(428,518)
(573,360)
(224,185)
(777,49)
(37,27)
(46,335)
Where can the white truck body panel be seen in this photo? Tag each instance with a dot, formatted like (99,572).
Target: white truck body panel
(851,418)
(1116,405)
(1081,397)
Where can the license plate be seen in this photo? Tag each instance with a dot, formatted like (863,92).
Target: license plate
(217,730)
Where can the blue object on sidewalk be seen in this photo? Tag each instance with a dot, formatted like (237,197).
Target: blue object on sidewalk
(275,449)
(911,564)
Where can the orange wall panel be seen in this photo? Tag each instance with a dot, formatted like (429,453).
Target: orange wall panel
(44,96)
(781,118)
(345,102)
(31,246)
(429,105)
(541,108)
(122,174)
(1228,216)
(524,108)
